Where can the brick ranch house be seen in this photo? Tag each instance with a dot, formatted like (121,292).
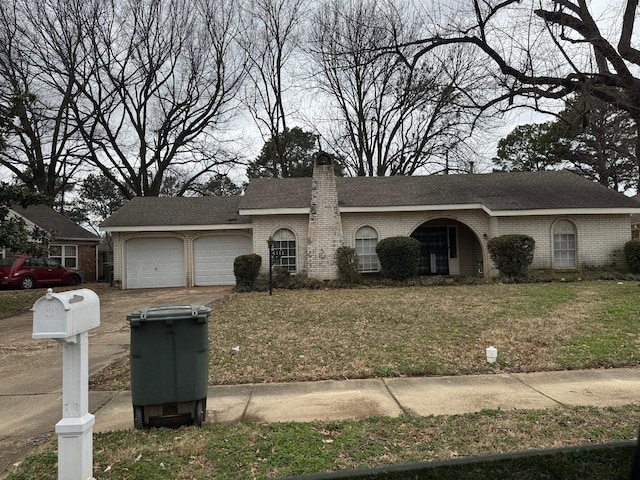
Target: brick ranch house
(172,242)
(71,245)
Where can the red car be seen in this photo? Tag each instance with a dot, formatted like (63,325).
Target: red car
(27,272)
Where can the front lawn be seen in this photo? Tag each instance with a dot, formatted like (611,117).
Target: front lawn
(360,333)
(312,335)
(304,335)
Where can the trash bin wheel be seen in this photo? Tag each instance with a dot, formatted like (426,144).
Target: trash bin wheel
(201,412)
(138,418)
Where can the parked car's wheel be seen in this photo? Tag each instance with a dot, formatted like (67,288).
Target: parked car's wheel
(74,280)
(27,283)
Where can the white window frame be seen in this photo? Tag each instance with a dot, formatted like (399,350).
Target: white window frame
(285,240)
(66,258)
(565,244)
(366,242)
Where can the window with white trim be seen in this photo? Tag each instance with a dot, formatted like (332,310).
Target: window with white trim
(366,242)
(564,244)
(65,255)
(285,241)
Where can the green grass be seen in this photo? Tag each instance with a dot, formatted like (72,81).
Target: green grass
(442,330)
(306,335)
(248,451)
(15,302)
(611,339)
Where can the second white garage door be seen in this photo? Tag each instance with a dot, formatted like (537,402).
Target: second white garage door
(213,258)
(155,262)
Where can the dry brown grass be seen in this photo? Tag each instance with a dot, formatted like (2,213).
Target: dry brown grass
(304,335)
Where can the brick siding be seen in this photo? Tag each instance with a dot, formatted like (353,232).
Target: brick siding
(325,225)
(87,262)
(600,239)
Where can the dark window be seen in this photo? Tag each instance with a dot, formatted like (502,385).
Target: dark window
(453,243)
(8,261)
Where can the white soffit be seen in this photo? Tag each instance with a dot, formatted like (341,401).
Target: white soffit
(493,213)
(254,212)
(173,228)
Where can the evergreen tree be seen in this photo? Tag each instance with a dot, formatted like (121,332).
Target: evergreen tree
(299,149)
(591,138)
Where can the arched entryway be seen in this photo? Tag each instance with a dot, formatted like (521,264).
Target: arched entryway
(448,247)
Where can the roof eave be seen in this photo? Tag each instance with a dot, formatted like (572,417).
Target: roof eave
(254,212)
(495,213)
(173,228)
(565,211)
(76,239)
(410,208)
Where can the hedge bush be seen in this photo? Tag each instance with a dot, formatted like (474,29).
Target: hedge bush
(246,269)
(512,254)
(347,262)
(632,255)
(399,257)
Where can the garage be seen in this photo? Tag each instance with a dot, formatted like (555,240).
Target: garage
(155,262)
(213,258)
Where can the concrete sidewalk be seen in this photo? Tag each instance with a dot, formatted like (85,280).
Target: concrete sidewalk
(356,399)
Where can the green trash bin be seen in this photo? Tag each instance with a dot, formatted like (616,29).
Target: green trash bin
(169,365)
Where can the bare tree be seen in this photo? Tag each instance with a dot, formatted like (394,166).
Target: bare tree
(537,50)
(395,116)
(129,87)
(163,80)
(273,34)
(43,147)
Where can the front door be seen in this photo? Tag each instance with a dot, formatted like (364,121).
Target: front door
(434,250)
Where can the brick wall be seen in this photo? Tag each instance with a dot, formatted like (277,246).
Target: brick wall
(116,239)
(325,224)
(87,262)
(600,239)
(472,225)
(404,223)
(265,227)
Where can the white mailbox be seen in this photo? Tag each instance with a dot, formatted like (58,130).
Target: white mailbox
(63,315)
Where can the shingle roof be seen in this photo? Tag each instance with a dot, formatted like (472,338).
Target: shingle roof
(57,224)
(268,193)
(497,191)
(173,211)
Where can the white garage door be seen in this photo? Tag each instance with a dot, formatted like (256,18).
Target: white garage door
(155,262)
(213,258)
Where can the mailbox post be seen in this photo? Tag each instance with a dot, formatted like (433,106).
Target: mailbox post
(274,255)
(68,317)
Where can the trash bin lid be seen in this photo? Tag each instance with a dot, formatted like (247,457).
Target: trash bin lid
(169,313)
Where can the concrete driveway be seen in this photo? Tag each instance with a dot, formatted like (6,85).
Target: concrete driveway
(31,370)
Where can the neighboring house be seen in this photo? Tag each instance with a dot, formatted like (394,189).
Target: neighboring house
(635,222)
(71,245)
(193,241)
